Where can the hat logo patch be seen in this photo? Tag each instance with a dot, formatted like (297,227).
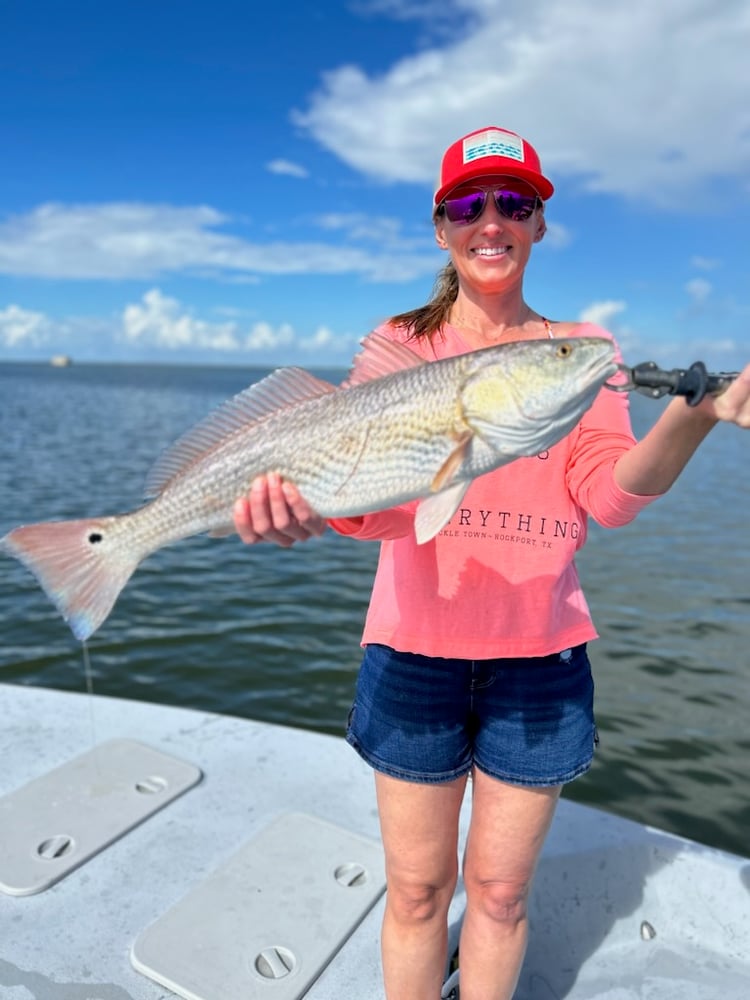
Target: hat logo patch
(493,143)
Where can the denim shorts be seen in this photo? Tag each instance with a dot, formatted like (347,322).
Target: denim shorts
(427,719)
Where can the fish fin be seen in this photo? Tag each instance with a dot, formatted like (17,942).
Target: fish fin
(434,513)
(282,388)
(453,462)
(79,568)
(380,356)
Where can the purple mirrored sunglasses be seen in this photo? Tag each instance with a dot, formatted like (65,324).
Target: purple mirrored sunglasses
(467,208)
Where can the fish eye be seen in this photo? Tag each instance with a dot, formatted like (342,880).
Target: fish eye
(564,350)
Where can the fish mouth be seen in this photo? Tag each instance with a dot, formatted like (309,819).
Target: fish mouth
(605,370)
(595,375)
(600,367)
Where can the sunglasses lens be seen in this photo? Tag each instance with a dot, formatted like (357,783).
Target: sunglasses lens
(467,208)
(510,204)
(515,206)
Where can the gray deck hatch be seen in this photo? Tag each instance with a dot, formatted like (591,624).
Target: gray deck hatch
(268,921)
(57,821)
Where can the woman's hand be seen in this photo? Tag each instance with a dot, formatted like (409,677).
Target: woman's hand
(275,511)
(733,405)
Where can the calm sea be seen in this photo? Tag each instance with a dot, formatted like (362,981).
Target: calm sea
(273,634)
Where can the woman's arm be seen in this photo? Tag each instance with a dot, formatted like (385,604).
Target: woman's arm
(654,463)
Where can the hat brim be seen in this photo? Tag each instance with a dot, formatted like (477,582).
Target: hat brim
(501,169)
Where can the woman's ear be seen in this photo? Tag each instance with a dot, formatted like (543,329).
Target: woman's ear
(440,234)
(541,229)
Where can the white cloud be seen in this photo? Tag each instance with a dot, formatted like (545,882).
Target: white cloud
(23,327)
(602,313)
(263,336)
(287,169)
(132,240)
(699,290)
(676,348)
(705,263)
(161,322)
(157,324)
(325,340)
(115,240)
(383,231)
(654,93)
(723,354)
(557,236)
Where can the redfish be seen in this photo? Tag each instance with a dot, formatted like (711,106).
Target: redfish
(398,429)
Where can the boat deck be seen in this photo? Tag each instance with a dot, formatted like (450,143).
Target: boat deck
(619,912)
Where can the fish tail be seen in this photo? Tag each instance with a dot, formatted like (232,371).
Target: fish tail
(82,566)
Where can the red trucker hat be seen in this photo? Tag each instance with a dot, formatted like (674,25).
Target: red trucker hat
(488,151)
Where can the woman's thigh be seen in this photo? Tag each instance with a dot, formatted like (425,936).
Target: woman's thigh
(509,824)
(419,827)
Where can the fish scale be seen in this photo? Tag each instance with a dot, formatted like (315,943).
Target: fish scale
(400,429)
(348,469)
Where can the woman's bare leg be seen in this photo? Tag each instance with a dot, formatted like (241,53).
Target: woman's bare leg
(507,832)
(419,825)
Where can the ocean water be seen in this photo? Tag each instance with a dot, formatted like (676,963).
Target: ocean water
(273,634)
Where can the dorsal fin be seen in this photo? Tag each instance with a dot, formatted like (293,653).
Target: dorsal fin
(379,356)
(280,389)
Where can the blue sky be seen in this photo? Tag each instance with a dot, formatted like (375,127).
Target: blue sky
(242,183)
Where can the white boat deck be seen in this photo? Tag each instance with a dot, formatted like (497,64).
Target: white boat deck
(619,912)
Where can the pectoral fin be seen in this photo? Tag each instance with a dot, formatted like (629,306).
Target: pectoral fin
(434,513)
(453,462)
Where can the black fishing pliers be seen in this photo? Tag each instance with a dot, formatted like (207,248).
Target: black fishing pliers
(693,383)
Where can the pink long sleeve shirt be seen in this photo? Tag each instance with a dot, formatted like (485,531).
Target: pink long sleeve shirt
(500,579)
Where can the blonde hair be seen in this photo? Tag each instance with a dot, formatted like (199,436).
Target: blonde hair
(427,319)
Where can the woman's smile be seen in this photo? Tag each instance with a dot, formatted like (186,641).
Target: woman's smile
(491,251)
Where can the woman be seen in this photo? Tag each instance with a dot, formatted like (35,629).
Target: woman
(475,643)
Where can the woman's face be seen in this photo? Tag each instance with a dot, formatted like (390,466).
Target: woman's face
(491,253)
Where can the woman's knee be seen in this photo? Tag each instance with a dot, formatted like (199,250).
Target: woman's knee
(418,901)
(503,902)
